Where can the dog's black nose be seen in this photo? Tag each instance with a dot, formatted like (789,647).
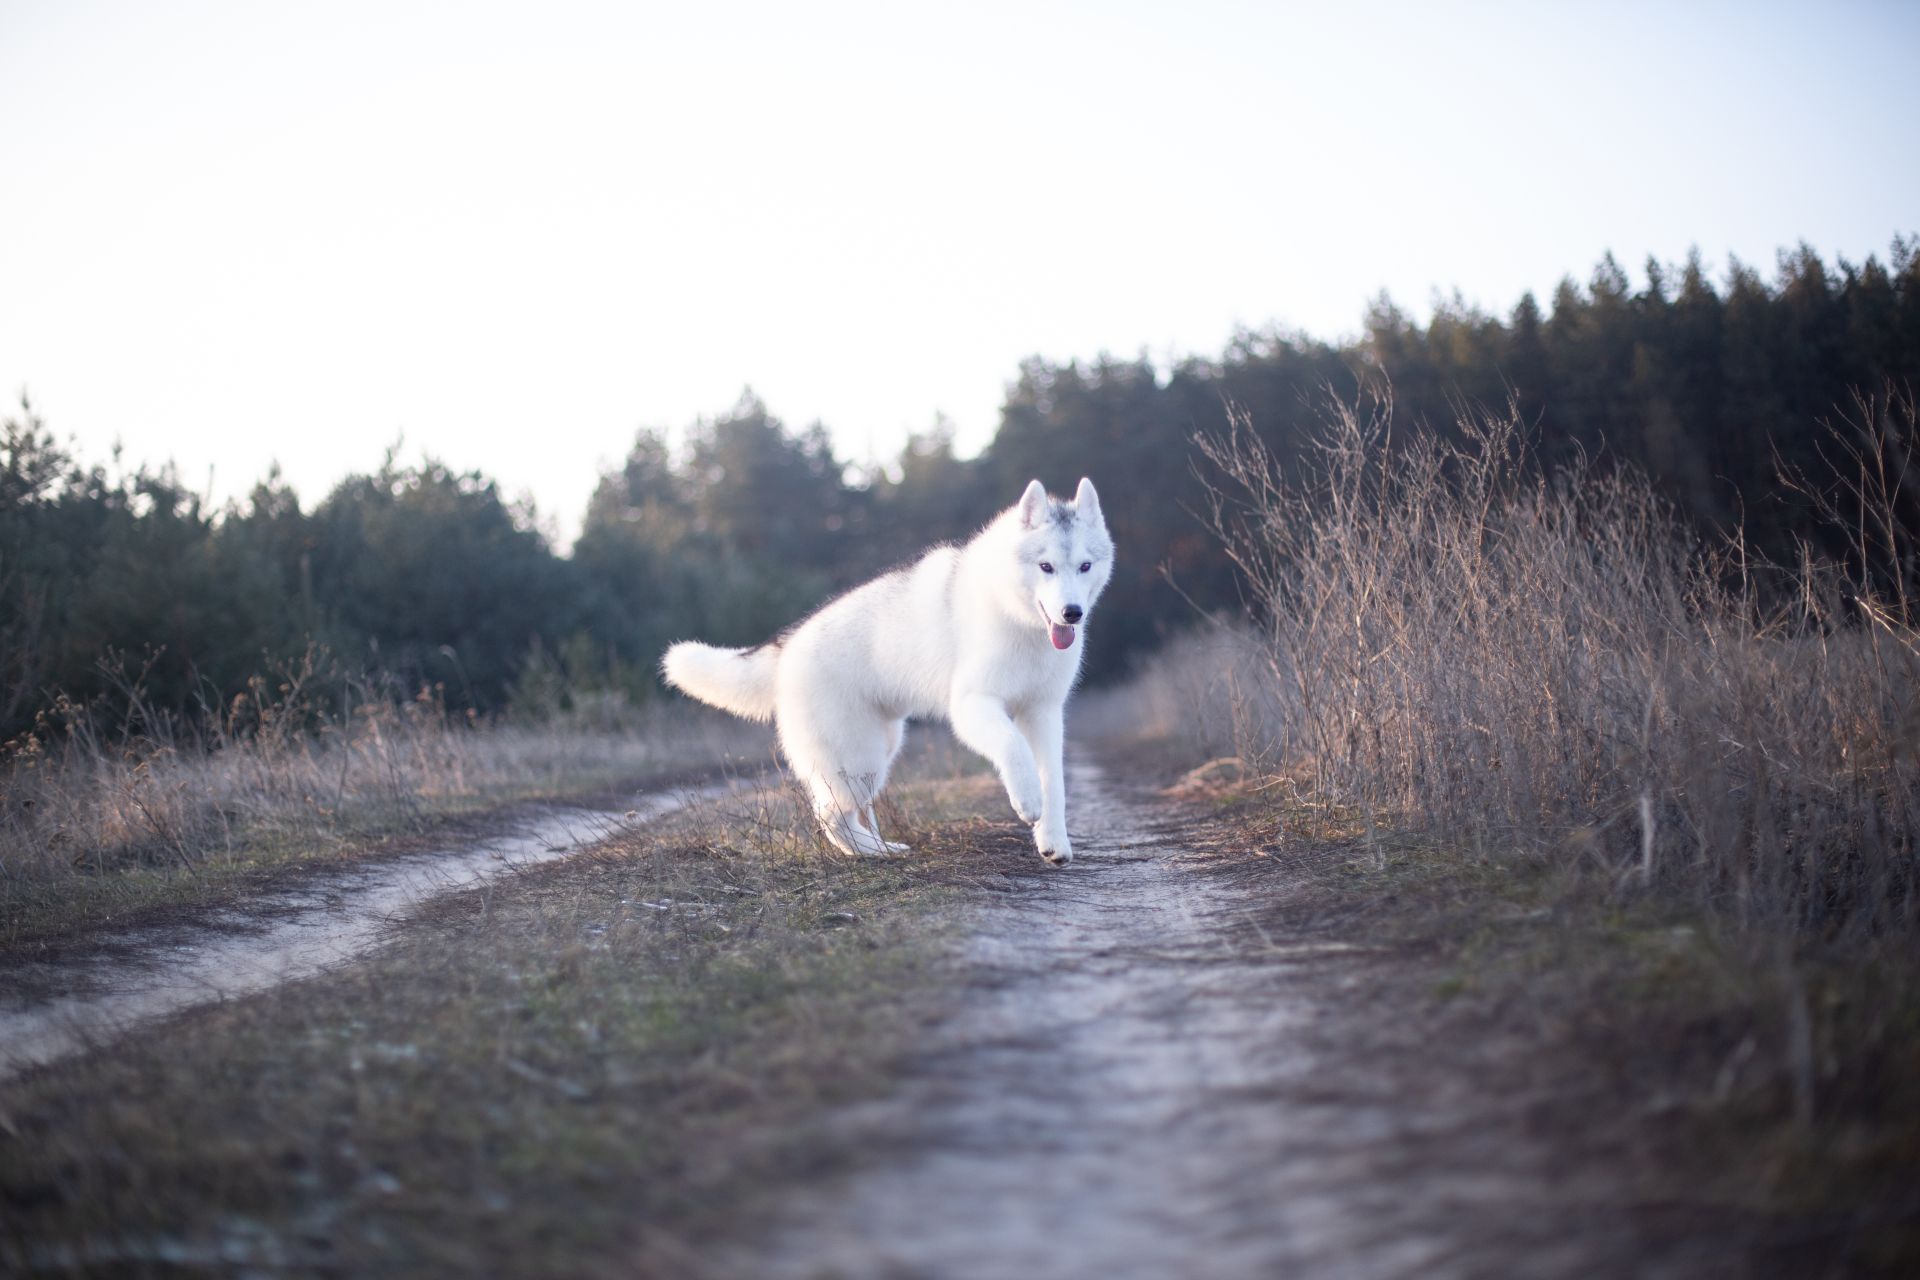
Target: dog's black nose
(1072,613)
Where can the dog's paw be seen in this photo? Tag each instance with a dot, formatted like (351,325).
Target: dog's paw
(1024,794)
(1055,848)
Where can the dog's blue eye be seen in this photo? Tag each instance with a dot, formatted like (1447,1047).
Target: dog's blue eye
(1045,567)
(1085,565)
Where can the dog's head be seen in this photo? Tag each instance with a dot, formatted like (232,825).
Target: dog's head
(1066,557)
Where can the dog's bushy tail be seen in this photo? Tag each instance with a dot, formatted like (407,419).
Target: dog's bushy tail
(736,680)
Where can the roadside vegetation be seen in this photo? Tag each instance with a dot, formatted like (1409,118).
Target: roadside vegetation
(1643,791)
(111,821)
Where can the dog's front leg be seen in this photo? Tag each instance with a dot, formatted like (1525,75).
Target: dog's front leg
(1045,731)
(981,721)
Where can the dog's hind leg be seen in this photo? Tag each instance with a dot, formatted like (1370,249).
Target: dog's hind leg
(841,753)
(839,812)
(896,733)
(873,825)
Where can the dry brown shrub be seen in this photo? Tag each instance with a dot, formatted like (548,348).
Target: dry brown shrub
(1551,664)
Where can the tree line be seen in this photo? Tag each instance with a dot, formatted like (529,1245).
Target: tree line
(428,576)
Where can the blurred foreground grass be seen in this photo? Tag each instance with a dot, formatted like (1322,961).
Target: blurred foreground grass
(573,1073)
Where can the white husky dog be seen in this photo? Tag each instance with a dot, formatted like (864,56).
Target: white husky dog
(982,634)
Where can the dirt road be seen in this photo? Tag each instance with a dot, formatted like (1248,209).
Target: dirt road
(1130,1090)
(323,920)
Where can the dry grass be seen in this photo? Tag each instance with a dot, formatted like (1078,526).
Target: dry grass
(1551,667)
(102,820)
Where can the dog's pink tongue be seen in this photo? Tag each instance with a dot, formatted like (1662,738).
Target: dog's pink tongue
(1062,637)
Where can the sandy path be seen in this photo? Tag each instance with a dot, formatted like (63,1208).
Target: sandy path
(328,919)
(1122,1094)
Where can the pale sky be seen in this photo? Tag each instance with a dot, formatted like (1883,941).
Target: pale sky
(234,233)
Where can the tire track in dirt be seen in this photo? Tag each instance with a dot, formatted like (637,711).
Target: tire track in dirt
(1125,1092)
(327,919)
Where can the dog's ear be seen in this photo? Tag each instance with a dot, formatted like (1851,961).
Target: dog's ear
(1033,505)
(1087,501)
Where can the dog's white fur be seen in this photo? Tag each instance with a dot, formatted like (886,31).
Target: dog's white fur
(963,632)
